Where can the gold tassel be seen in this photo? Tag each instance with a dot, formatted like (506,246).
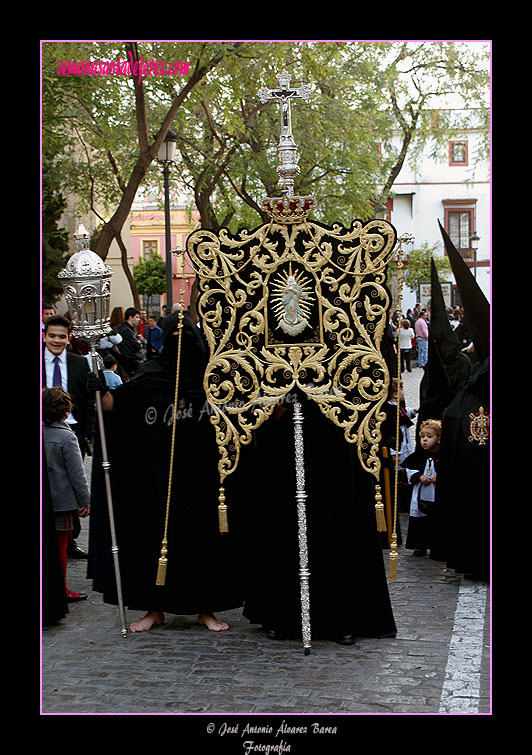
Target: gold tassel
(392,573)
(379,510)
(163,562)
(223,525)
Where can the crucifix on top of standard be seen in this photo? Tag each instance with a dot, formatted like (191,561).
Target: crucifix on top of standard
(288,167)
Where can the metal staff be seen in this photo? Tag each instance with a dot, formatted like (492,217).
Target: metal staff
(106,466)
(406,238)
(86,287)
(301,497)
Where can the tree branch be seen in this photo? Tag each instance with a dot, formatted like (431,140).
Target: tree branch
(140,101)
(115,170)
(247,198)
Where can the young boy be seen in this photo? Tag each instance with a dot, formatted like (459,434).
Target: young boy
(111,378)
(421,469)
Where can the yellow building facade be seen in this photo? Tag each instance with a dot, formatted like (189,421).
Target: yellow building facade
(147,233)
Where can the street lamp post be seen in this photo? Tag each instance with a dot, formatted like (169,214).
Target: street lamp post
(473,240)
(166,155)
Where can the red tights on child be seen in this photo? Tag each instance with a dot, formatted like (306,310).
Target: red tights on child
(62,541)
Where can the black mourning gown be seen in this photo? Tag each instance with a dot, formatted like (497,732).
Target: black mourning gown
(203,571)
(461,520)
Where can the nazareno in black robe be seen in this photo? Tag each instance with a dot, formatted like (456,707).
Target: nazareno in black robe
(203,570)
(461,520)
(347,584)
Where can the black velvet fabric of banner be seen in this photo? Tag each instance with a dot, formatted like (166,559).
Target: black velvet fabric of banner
(348,588)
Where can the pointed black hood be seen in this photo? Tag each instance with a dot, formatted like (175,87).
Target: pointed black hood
(456,364)
(476,306)
(434,389)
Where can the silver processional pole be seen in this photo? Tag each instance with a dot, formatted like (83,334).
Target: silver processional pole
(86,286)
(287,170)
(301,498)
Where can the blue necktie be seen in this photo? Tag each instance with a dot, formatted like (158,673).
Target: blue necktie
(57,380)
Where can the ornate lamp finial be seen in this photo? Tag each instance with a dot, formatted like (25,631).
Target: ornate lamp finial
(87,290)
(288,208)
(81,236)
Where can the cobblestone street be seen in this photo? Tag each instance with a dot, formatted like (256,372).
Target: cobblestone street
(439,663)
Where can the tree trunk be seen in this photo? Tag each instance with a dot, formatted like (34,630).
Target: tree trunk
(127,271)
(206,211)
(407,138)
(409,130)
(113,228)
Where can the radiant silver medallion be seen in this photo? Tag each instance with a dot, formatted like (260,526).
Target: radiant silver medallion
(292,302)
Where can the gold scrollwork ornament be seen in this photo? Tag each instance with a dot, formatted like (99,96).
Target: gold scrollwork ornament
(295,307)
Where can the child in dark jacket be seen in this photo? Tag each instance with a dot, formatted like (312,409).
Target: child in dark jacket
(68,483)
(422,468)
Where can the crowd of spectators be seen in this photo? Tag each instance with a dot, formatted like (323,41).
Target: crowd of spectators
(410,333)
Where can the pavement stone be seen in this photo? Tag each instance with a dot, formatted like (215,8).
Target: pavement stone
(240,678)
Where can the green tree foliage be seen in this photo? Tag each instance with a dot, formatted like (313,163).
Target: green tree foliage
(105,131)
(54,239)
(112,125)
(228,139)
(418,269)
(429,86)
(150,275)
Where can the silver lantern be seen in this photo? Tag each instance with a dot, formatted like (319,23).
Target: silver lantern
(87,290)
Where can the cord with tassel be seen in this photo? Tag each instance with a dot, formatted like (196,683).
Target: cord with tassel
(394,556)
(379,510)
(223,525)
(163,560)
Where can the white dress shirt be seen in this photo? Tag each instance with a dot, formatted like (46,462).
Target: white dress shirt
(49,368)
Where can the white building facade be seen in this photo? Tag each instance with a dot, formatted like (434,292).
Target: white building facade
(456,192)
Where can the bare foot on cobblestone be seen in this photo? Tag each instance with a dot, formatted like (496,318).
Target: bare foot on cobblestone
(147,622)
(212,623)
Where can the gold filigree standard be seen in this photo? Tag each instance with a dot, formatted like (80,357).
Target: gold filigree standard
(295,307)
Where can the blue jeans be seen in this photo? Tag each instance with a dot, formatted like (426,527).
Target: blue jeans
(422,351)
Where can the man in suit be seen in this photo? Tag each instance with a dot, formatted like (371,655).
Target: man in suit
(131,347)
(69,371)
(47,311)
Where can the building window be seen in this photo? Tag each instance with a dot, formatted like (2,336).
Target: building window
(457,153)
(460,223)
(148,248)
(460,228)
